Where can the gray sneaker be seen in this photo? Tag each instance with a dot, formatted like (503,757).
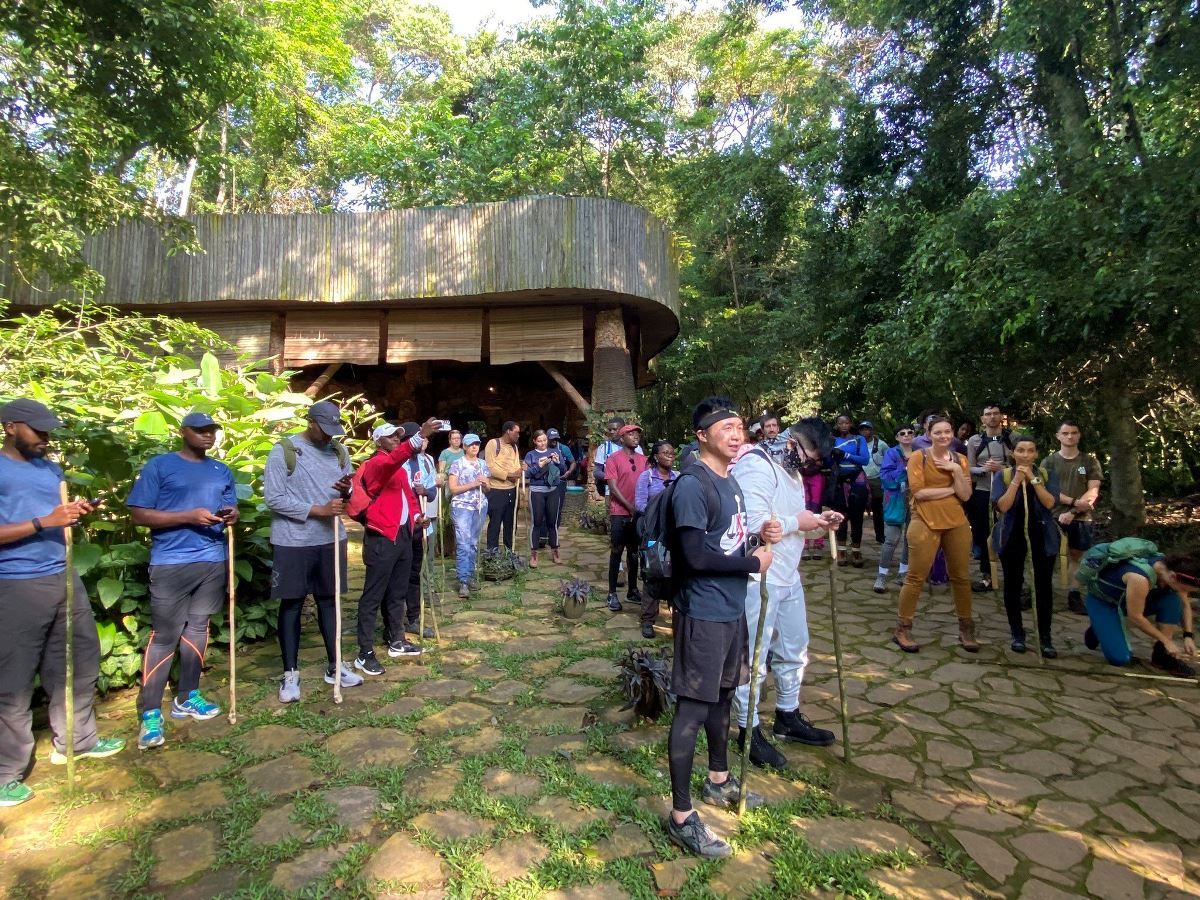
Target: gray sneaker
(289,688)
(463,591)
(727,794)
(880,586)
(900,577)
(695,837)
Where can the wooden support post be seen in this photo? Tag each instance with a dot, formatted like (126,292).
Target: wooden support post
(569,389)
(321,380)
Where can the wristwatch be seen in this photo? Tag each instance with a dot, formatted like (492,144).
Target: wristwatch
(38,527)
(1035,480)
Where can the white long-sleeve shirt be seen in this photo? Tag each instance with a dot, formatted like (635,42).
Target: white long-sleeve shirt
(769,488)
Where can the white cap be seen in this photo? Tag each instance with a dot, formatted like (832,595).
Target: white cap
(387,429)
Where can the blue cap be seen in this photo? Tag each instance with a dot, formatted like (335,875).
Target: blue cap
(198,420)
(470,438)
(552,434)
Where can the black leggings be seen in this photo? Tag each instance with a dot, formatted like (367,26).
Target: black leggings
(1012,561)
(681,745)
(545,505)
(192,640)
(622,538)
(289,628)
(850,498)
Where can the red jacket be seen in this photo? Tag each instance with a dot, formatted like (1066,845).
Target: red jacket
(384,478)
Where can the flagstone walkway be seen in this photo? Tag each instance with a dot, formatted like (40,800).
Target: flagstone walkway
(501,765)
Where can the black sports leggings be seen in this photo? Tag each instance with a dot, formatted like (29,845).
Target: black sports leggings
(681,745)
(851,498)
(289,628)
(545,505)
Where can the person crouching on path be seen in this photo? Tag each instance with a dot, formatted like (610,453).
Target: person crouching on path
(772,488)
(387,542)
(187,501)
(711,653)
(304,486)
(940,484)
(33,595)
(468,505)
(621,471)
(1015,536)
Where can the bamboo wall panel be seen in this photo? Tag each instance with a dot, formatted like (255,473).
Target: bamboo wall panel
(435,334)
(250,333)
(330,336)
(529,334)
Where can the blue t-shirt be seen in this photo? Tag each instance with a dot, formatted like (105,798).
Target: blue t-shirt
(28,490)
(172,484)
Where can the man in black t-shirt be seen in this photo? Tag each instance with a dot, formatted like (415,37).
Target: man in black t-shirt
(711,653)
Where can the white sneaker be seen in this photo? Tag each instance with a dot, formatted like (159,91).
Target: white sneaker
(289,688)
(349,677)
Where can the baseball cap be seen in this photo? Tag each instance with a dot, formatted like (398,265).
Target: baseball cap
(328,416)
(552,434)
(410,428)
(626,429)
(866,423)
(470,438)
(387,429)
(32,413)
(198,420)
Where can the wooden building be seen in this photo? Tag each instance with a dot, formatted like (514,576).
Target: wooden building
(531,309)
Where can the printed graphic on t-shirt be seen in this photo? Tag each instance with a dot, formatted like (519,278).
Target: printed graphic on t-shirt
(735,534)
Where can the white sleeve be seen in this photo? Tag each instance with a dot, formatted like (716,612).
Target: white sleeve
(757,482)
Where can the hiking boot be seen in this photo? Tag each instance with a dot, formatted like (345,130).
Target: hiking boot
(1075,603)
(899,580)
(289,687)
(614,602)
(14,794)
(368,664)
(102,748)
(194,707)
(844,559)
(728,793)
(982,586)
(415,628)
(793,725)
(1089,638)
(966,635)
(856,557)
(902,636)
(880,585)
(694,836)
(464,592)
(648,631)
(349,679)
(403,648)
(762,751)
(533,563)
(151,734)
(1018,645)
(634,596)
(1172,665)
(1048,651)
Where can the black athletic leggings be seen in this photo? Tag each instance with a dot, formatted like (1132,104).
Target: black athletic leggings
(289,628)
(545,505)
(690,715)
(850,498)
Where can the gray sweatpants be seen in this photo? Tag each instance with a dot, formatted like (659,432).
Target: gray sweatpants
(33,627)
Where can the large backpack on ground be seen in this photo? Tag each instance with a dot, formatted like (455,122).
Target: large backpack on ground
(656,535)
(1134,551)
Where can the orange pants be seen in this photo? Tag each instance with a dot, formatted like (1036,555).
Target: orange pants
(923,545)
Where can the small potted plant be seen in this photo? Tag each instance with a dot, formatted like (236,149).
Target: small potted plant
(575,595)
(646,681)
(500,565)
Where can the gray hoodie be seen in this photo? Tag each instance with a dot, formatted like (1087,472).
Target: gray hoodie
(291,497)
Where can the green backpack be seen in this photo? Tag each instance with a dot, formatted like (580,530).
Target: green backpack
(290,453)
(1135,551)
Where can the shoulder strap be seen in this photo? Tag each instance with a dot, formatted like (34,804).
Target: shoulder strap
(289,454)
(342,453)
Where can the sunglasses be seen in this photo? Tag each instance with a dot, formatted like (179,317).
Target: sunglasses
(904,431)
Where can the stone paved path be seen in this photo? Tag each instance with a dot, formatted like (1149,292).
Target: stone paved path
(500,765)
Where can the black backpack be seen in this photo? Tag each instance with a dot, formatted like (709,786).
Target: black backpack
(657,539)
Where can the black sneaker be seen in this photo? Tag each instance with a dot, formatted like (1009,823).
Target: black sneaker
(1172,665)
(403,648)
(694,837)
(727,793)
(1075,603)
(634,596)
(762,752)
(614,602)
(648,631)
(1048,651)
(368,664)
(415,628)
(793,725)
(1018,645)
(1089,638)
(982,586)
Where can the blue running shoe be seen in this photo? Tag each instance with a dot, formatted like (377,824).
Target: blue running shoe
(194,707)
(152,730)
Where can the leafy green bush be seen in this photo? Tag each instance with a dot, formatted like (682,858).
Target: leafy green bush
(122,384)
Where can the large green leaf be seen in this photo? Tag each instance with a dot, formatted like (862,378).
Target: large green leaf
(210,376)
(152,423)
(85,557)
(110,590)
(106,631)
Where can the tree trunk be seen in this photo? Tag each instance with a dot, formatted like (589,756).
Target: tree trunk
(1125,473)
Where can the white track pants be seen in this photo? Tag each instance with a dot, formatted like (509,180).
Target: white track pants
(785,635)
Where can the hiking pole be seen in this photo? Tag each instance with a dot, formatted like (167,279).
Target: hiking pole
(752,710)
(1064,555)
(837,646)
(337,615)
(1030,574)
(232,591)
(69,687)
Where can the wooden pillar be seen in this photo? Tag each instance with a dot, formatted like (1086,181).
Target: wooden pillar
(612,370)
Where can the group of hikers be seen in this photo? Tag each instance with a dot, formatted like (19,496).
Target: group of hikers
(744,504)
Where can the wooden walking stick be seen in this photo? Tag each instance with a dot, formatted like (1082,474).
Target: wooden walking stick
(1064,557)
(69,687)
(232,591)
(763,601)
(837,646)
(337,614)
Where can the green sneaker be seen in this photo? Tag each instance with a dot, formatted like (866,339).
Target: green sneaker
(102,748)
(14,794)
(152,730)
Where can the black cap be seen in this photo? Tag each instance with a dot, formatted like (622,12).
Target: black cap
(328,416)
(866,423)
(32,413)
(410,428)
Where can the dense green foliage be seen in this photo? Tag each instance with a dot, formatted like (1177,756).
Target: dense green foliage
(889,206)
(122,384)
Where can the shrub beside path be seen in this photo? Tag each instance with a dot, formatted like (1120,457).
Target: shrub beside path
(501,765)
